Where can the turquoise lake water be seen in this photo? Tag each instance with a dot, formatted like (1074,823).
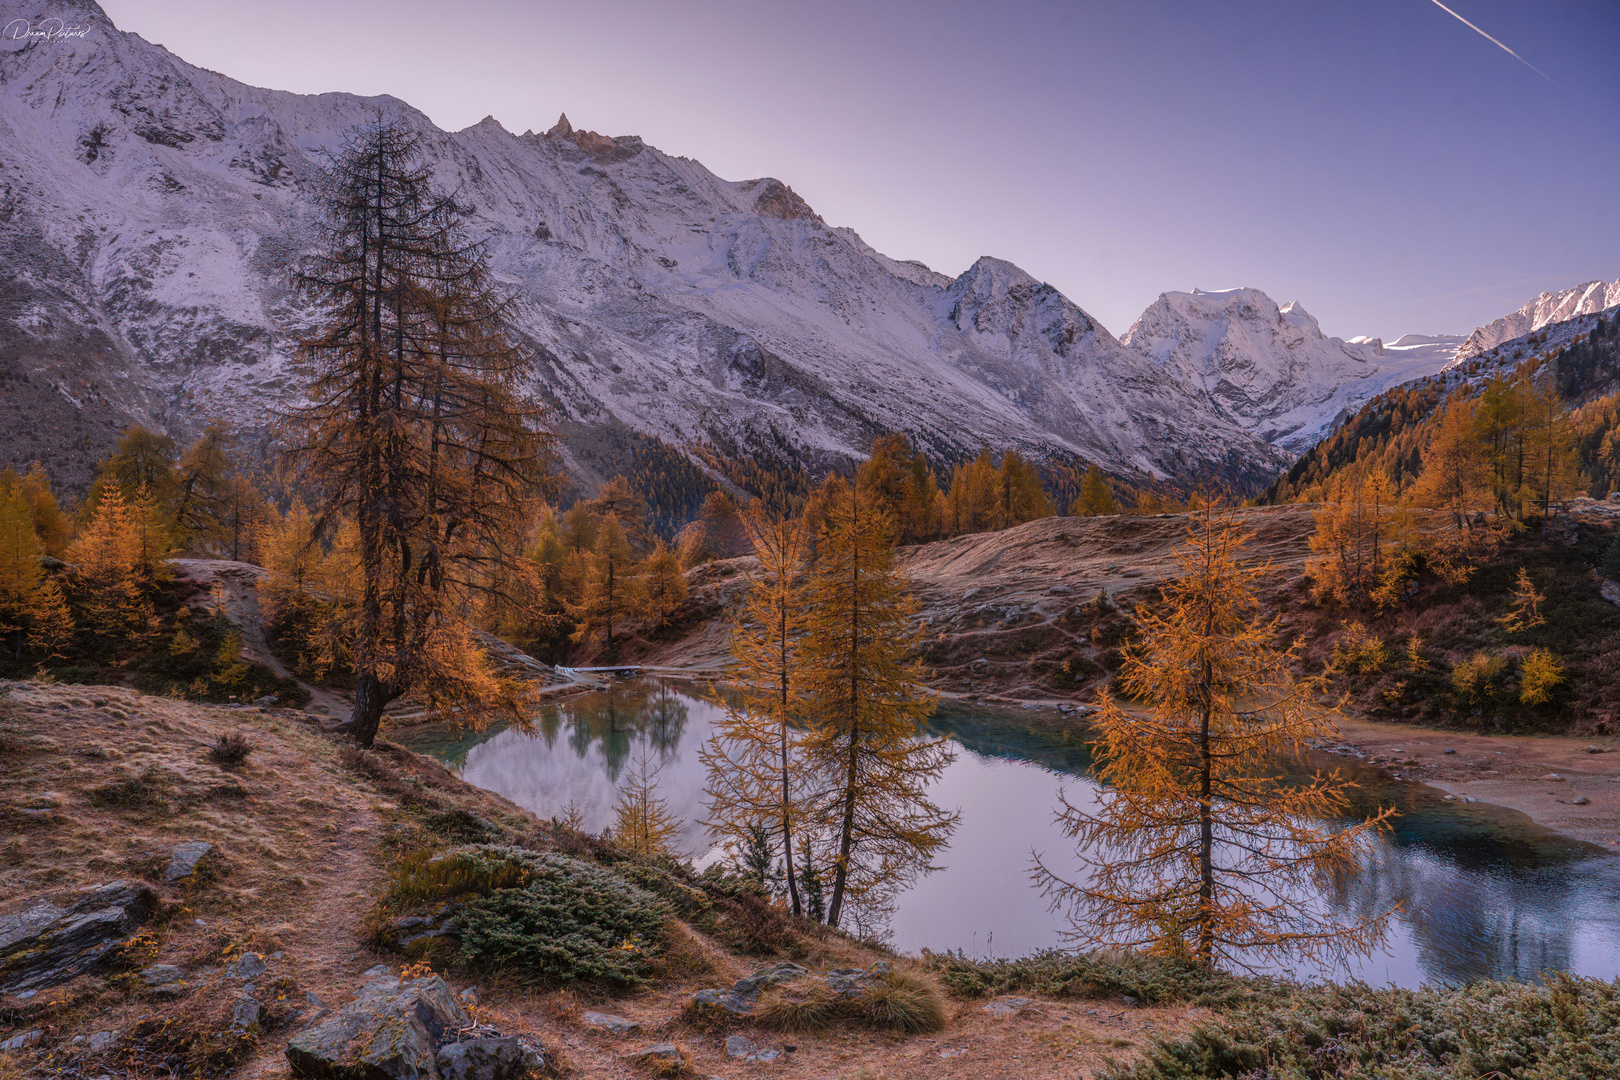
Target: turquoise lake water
(1484,891)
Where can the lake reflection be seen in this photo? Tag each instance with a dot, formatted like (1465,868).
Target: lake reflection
(1484,891)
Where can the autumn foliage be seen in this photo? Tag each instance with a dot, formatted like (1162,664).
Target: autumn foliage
(1199,845)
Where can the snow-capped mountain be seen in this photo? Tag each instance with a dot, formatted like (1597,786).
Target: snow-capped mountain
(152,210)
(150,213)
(1270,369)
(1549,307)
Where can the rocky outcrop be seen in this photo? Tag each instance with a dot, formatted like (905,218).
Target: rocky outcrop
(496,1058)
(185,859)
(46,944)
(742,996)
(414,1030)
(390,1032)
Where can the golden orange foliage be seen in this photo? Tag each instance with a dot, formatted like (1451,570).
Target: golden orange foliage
(754,758)
(862,693)
(1198,845)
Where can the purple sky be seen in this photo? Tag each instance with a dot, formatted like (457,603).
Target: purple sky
(1376,160)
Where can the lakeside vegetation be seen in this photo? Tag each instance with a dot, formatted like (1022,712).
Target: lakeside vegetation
(419,512)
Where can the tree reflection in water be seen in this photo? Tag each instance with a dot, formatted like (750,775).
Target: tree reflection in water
(1484,891)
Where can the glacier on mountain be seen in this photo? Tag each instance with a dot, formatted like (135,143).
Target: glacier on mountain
(1270,369)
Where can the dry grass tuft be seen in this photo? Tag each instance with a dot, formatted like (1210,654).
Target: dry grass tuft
(907,1002)
(230,750)
(800,1007)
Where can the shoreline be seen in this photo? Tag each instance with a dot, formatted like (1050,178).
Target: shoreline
(1540,776)
(1510,771)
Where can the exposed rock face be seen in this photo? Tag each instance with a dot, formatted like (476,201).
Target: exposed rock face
(483,1059)
(46,944)
(390,1032)
(743,995)
(1550,307)
(1269,369)
(186,858)
(615,1025)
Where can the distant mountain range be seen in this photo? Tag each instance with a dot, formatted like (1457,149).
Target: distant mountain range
(1549,307)
(150,212)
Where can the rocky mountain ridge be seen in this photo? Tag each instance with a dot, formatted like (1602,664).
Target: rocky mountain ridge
(1589,298)
(150,212)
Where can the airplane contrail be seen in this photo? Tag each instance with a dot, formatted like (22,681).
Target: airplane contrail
(1493,41)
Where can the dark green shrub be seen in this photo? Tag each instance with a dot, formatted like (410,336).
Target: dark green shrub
(424,877)
(1058,974)
(571,920)
(1569,1028)
(1609,563)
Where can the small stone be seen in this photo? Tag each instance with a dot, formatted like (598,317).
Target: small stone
(184,859)
(247,966)
(26,1039)
(739,1046)
(1449,750)
(1553,778)
(659,1054)
(617,1025)
(469,996)
(247,1015)
(266,701)
(163,979)
(1579,800)
(102,1039)
(1007,1006)
(373,972)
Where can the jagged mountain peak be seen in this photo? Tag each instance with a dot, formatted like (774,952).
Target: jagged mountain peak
(155,209)
(1587,298)
(1266,367)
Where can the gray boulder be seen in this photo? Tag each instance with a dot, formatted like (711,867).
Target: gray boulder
(47,944)
(659,1056)
(496,1058)
(101,1040)
(390,1032)
(247,1015)
(163,980)
(740,1046)
(185,859)
(1004,1007)
(23,1041)
(616,1025)
(247,966)
(743,995)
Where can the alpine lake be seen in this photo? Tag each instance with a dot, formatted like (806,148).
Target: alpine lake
(1483,891)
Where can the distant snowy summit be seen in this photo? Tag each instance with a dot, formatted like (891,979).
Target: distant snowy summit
(1549,307)
(1270,369)
(150,212)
